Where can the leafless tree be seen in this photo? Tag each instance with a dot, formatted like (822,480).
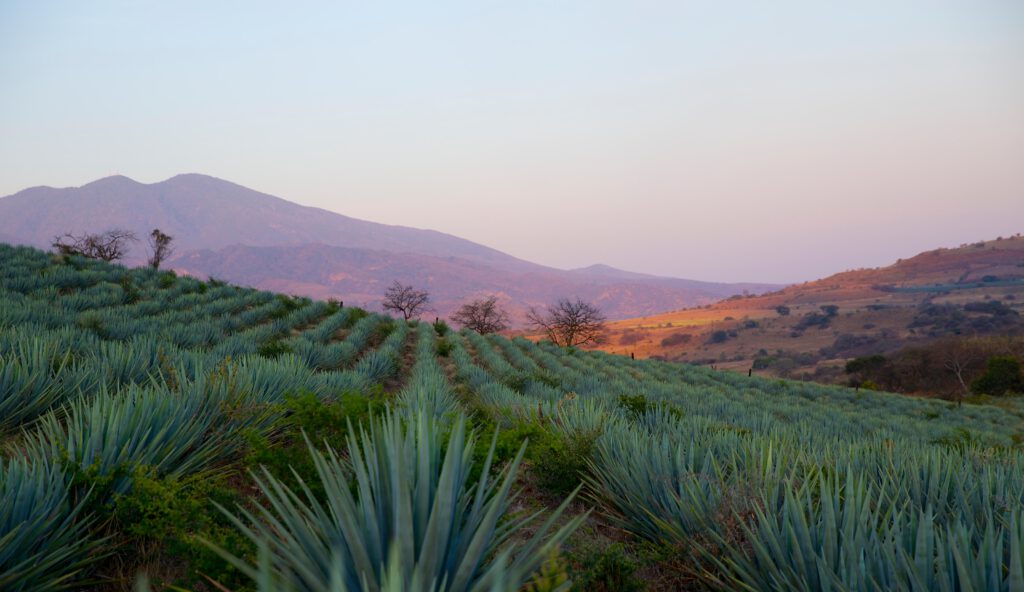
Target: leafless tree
(570,323)
(160,248)
(406,300)
(111,245)
(483,316)
(959,358)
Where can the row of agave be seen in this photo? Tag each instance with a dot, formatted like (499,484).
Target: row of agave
(96,407)
(869,506)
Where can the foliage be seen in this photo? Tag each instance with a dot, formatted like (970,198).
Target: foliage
(1002,375)
(303,417)
(44,539)
(414,521)
(605,570)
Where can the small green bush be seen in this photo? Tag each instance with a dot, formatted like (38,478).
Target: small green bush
(273,348)
(324,423)
(606,570)
(441,327)
(559,461)
(173,518)
(1002,376)
(166,279)
(444,347)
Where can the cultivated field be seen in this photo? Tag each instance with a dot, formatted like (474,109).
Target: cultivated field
(214,437)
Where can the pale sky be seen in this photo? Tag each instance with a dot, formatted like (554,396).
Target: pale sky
(758,141)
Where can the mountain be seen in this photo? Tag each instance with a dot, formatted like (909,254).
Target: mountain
(204,212)
(814,327)
(234,233)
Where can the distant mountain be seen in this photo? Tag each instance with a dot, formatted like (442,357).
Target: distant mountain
(204,212)
(225,230)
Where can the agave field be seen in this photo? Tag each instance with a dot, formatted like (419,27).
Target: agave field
(163,431)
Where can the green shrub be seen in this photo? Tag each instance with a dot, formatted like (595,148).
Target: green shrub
(172,517)
(444,347)
(166,279)
(605,570)
(273,348)
(355,316)
(441,328)
(1002,375)
(324,423)
(559,461)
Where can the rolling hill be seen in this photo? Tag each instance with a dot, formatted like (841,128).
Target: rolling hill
(975,289)
(233,233)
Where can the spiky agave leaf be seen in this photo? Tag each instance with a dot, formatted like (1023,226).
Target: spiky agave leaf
(44,540)
(174,432)
(414,521)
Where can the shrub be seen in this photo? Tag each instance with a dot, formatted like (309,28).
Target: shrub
(172,515)
(1002,375)
(305,416)
(444,347)
(441,328)
(865,364)
(273,348)
(606,570)
(719,336)
(676,339)
(560,460)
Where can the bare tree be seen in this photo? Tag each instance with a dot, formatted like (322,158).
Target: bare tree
(406,300)
(959,358)
(160,248)
(483,316)
(570,323)
(111,245)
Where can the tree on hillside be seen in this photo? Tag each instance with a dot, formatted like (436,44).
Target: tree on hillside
(406,300)
(483,316)
(783,310)
(111,245)
(159,247)
(569,323)
(1002,376)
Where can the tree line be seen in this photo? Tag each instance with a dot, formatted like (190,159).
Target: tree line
(567,322)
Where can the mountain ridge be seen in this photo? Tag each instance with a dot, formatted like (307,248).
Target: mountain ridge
(214,220)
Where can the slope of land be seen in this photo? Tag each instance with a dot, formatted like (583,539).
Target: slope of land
(139,407)
(975,289)
(251,238)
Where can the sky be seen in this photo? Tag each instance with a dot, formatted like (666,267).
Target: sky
(729,141)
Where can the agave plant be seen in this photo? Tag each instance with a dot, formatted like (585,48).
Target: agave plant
(175,433)
(44,539)
(33,379)
(414,521)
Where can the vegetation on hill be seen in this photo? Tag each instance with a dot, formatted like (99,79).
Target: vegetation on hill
(811,330)
(212,437)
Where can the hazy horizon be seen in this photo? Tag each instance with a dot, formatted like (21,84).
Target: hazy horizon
(778,143)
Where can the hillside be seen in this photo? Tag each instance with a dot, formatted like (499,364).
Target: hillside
(314,252)
(139,410)
(913,301)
